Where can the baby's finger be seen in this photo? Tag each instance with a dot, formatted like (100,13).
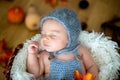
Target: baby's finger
(35,43)
(34,46)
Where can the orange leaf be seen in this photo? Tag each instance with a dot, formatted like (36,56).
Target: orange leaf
(88,76)
(77,75)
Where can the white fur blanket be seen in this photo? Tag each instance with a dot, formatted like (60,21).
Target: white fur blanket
(103,51)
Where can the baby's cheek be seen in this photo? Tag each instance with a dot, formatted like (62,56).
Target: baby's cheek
(58,46)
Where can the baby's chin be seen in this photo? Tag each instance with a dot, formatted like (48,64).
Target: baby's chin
(50,50)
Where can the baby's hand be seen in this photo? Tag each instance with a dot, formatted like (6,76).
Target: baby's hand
(33,48)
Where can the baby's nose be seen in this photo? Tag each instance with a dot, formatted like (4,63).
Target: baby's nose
(46,37)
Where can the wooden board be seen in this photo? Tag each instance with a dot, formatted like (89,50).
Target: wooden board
(14,34)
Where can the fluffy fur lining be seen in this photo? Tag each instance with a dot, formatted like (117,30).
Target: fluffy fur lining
(18,70)
(104,53)
(102,50)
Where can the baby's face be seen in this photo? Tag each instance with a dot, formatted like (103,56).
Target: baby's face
(53,36)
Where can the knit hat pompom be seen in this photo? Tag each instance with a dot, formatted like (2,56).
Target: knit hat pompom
(70,21)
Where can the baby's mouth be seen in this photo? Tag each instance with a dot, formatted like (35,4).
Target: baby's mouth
(46,45)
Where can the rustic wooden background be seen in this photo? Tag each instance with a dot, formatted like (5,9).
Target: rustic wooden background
(14,34)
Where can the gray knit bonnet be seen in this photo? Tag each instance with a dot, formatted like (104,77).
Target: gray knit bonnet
(70,21)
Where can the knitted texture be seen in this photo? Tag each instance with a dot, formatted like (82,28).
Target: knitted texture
(64,70)
(70,21)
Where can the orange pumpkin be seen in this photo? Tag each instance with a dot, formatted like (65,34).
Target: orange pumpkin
(15,14)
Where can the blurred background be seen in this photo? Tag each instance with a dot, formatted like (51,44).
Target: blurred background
(19,20)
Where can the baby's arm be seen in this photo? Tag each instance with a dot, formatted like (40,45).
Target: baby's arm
(88,62)
(34,61)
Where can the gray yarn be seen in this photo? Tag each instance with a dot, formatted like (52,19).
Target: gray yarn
(64,69)
(71,23)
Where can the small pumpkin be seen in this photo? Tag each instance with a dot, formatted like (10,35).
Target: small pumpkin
(32,19)
(15,14)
